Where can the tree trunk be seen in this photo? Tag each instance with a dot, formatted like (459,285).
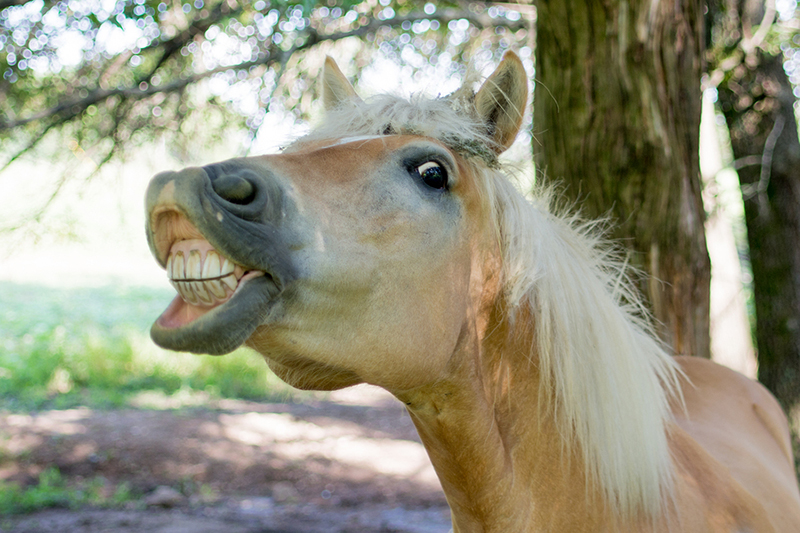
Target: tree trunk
(757,101)
(616,120)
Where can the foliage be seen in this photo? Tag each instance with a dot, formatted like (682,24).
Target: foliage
(65,347)
(737,33)
(101,76)
(53,491)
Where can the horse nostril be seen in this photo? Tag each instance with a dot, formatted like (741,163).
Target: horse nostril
(234,189)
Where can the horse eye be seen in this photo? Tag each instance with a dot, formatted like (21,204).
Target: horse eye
(433,175)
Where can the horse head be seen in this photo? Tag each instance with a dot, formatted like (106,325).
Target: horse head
(352,255)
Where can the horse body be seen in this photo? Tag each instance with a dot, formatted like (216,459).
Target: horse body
(387,247)
(732,453)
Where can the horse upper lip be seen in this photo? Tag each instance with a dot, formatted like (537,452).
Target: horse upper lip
(174,235)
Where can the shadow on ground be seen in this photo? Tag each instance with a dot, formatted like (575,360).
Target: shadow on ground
(349,463)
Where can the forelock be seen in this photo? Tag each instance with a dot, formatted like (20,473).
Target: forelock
(448,120)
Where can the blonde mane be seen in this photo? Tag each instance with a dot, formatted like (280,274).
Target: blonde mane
(595,348)
(611,379)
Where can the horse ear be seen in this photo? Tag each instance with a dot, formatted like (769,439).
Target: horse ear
(501,101)
(335,87)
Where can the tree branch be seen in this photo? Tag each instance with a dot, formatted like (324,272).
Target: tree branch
(312,38)
(38,137)
(750,42)
(11,3)
(173,44)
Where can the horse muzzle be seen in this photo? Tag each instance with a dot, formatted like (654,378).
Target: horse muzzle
(217,232)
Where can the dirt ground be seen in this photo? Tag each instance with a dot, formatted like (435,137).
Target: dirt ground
(348,463)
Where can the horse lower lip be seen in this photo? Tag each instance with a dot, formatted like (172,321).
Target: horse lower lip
(220,329)
(196,303)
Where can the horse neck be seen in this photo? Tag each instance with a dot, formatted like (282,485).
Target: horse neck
(493,441)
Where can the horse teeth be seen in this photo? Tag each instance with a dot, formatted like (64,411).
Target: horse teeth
(216,288)
(230,281)
(202,280)
(211,266)
(193,265)
(200,290)
(177,267)
(186,292)
(227,267)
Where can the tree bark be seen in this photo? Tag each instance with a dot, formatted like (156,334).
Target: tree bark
(757,101)
(616,120)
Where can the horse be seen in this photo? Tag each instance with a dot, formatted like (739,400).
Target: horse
(390,246)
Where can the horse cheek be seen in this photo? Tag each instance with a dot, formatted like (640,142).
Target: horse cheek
(429,323)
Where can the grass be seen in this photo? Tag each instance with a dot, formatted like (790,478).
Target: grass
(61,348)
(52,491)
